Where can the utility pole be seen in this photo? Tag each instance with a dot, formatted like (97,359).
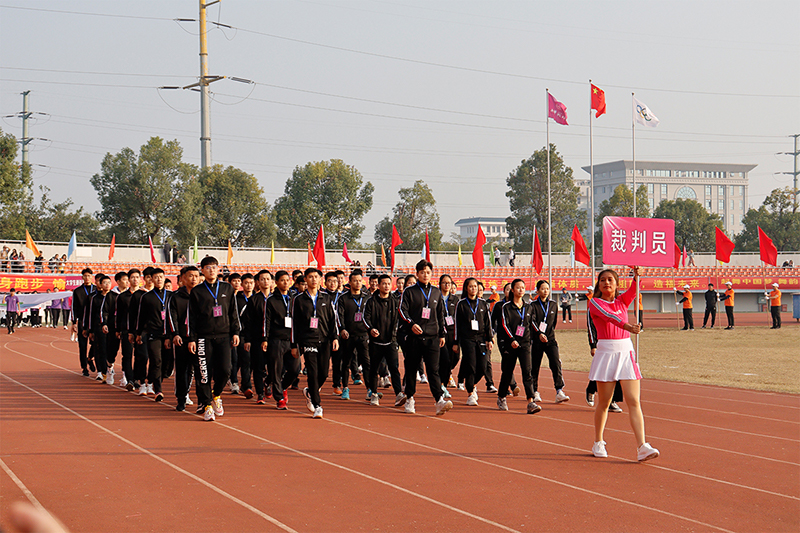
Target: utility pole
(25,115)
(205,119)
(795,154)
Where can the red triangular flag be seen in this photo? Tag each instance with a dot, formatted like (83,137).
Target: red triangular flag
(677,256)
(598,100)
(111,250)
(310,254)
(769,253)
(477,252)
(152,251)
(396,241)
(345,254)
(537,261)
(724,246)
(319,248)
(581,253)
(427,247)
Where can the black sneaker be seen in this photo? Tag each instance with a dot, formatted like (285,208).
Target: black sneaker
(91,365)
(180,407)
(200,410)
(614,408)
(129,386)
(85,372)
(159,397)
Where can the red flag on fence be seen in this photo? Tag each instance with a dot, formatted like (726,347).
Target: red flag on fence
(427,247)
(477,252)
(684,256)
(310,254)
(152,251)
(724,246)
(396,241)
(769,253)
(111,250)
(537,261)
(319,248)
(677,256)
(345,254)
(581,253)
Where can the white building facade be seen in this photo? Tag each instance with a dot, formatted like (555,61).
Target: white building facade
(493,227)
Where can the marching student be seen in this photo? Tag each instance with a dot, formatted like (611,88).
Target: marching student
(399,283)
(473,332)
(213,329)
(240,357)
(543,336)
(422,309)
(178,325)
(299,284)
(12,309)
(448,354)
(354,333)
(276,339)
(497,323)
(254,335)
(140,355)
(712,297)
(728,299)
(686,300)
(341,279)
(330,287)
(591,388)
(99,323)
(775,306)
(151,330)
(80,301)
(514,341)
(488,376)
(315,333)
(121,325)
(615,360)
(381,319)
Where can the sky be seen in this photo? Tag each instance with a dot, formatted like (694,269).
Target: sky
(449,92)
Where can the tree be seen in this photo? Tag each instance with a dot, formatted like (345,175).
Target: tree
(620,205)
(328,193)
(527,194)
(16,192)
(231,206)
(694,226)
(141,196)
(57,221)
(413,214)
(778,218)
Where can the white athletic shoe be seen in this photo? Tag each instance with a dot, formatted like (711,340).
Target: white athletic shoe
(452,382)
(491,389)
(410,406)
(71,337)
(646,452)
(472,399)
(217,404)
(375,400)
(442,406)
(99,376)
(561,397)
(188,401)
(423,379)
(461,386)
(590,399)
(317,412)
(537,397)
(208,414)
(143,390)
(123,381)
(445,393)
(533,408)
(399,400)
(502,404)
(308,400)
(234,388)
(599,449)
(110,377)
(150,388)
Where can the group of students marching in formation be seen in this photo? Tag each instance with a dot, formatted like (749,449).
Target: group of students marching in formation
(211,330)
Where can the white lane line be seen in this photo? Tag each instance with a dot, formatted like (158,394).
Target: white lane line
(18,482)
(175,467)
(737,414)
(262,439)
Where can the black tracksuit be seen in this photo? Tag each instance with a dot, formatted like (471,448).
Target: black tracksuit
(150,325)
(121,322)
(283,368)
(254,334)
(548,313)
(314,344)
(473,329)
(512,318)
(448,359)
(213,320)
(177,325)
(425,346)
(101,313)
(350,310)
(712,297)
(140,355)
(80,301)
(382,314)
(241,358)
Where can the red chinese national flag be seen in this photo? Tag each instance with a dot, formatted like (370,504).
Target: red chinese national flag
(319,248)
(396,241)
(598,100)
(677,256)
(477,252)
(769,253)
(724,246)
(152,251)
(537,261)
(581,253)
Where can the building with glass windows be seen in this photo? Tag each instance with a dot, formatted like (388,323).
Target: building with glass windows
(720,188)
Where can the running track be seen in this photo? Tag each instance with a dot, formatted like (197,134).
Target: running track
(102,459)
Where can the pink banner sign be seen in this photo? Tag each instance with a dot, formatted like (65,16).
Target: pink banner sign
(646,242)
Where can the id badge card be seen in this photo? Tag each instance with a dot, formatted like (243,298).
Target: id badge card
(287,322)
(449,320)
(543,326)
(217,309)
(358,317)
(474,324)
(520,331)
(426,313)
(163,315)
(313,323)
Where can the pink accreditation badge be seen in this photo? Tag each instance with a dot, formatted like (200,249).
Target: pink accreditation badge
(163,315)
(313,323)
(449,320)
(426,313)
(358,318)
(217,309)
(520,331)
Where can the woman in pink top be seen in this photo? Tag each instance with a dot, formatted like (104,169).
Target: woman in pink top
(615,359)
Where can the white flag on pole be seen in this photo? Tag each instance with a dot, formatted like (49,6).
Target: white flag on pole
(643,115)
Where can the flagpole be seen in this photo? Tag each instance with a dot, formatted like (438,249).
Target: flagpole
(533,252)
(764,279)
(633,140)
(675,293)
(716,289)
(591,180)
(549,221)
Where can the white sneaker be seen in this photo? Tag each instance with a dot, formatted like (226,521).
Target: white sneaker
(188,401)
(71,337)
(317,412)
(445,393)
(375,400)
(462,386)
(99,376)
(150,388)
(502,404)
(208,414)
(124,381)
(143,390)
(423,379)
(308,400)
(533,408)
(410,406)
(110,377)
(599,449)
(442,406)
(561,397)
(537,397)
(400,399)
(646,452)
(452,382)
(491,389)
(590,399)
(419,378)
(217,404)
(234,388)
(472,399)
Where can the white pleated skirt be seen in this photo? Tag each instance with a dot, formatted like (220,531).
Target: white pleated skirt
(614,360)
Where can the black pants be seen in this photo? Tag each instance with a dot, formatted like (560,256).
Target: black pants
(83,348)
(688,320)
(279,352)
(422,349)
(446,356)
(387,353)
(336,362)
(710,311)
(259,360)
(127,356)
(291,370)
(729,314)
(11,320)
(354,349)
(183,371)
(566,310)
(592,389)
(112,348)
(775,310)
(155,346)
(473,361)
(240,360)
(212,361)
(508,364)
(537,352)
(100,345)
(318,361)
(35,318)
(55,314)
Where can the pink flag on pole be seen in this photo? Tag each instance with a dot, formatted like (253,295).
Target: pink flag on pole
(556,110)
(648,242)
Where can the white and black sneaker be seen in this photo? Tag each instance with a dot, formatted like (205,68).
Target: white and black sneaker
(309,403)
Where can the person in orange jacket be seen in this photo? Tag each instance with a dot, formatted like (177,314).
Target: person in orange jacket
(775,306)
(686,300)
(728,299)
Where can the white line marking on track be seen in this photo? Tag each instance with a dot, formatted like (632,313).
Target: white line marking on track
(18,482)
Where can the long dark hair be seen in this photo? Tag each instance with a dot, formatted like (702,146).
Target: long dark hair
(597,292)
(465,285)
